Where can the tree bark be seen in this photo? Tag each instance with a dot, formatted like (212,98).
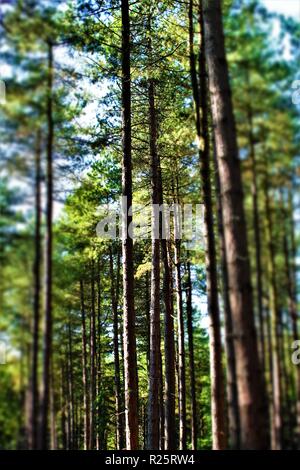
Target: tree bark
(47,340)
(154,359)
(92,361)
(216,373)
(232,392)
(181,351)
(276,415)
(86,404)
(189,317)
(130,360)
(34,393)
(250,385)
(118,403)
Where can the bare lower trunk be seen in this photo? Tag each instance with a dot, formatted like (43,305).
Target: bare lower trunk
(130,360)
(181,351)
(92,362)
(34,394)
(118,402)
(232,392)
(189,315)
(250,385)
(216,373)
(86,404)
(154,365)
(276,415)
(47,340)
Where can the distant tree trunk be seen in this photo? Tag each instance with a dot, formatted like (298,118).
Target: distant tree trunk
(189,316)
(130,360)
(98,370)
(232,392)
(47,340)
(63,408)
(181,350)
(92,360)
(70,385)
(155,378)
(169,341)
(86,407)
(250,384)
(52,414)
(276,416)
(34,393)
(257,242)
(200,100)
(118,403)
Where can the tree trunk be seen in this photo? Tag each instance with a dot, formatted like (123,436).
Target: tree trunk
(200,100)
(47,341)
(276,415)
(189,316)
(34,393)
(155,378)
(130,360)
(86,405)
(92,361)
(232,392)
(181,351)
(250,385)
(118,403)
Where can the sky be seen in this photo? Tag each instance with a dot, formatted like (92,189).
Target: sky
(285,7)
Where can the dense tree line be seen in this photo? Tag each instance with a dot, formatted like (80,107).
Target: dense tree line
(149,343)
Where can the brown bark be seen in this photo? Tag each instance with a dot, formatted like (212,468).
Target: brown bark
(276,411)
(189,321)
(250,385)
(200,101)
(154,363)
(86,404)
(181,350)
(118,403)
(232,392)
(130,360)
(34,393)
(47,339)
(92,362)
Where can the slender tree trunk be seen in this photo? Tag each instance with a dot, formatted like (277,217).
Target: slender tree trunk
(86,412)
(181,351)
(52,414)
(47,340)
(98,371)
(276,416)
(250,384)
(189,316)
(118,403)
(232,392)
(34,393)
(257,243)
(155,378)
(70,385)
(92,361)
(130,360)
(169,341)
(200,100)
